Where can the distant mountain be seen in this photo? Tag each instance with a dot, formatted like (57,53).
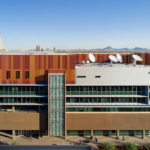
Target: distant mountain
(140,49)
(96,50)
(108,48)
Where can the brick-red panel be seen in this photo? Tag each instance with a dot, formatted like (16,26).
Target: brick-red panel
(50,62)
(64,62)
(147,59)
(72,61)
(16,62)
(59,61)
(26,62)
(37,62)
(0,61)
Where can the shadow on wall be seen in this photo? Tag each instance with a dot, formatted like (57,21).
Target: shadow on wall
(43,79)
(43,121)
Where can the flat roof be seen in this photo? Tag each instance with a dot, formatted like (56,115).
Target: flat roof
(109,65)
(59,52)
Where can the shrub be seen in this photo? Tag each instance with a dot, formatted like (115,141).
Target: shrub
(147,146)
(15,143)
(108,146)
(130,146)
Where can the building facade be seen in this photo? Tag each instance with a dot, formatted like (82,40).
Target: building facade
(57,95)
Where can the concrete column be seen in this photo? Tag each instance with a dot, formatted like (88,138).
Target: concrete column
(13,108)
(39,108)
(92,133)
(143,134)
(117,134)
(13,134)
(65,134)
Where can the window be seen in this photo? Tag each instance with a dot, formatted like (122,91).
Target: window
(17,74)
(97,76)
(27,75)
(81,76)
(7,74)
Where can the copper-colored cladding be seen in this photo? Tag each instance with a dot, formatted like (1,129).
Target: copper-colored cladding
(38,65)
(108,121)
(23,121)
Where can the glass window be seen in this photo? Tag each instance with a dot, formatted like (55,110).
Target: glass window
(17,74)
(27,75)
(7,74)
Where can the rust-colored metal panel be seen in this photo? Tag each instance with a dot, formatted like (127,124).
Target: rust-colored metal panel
(56,71)
(72,61)
(64,62)
(50,62)
(58,61)
(38,65)
(108,121)
(16,62)
(32,70)
(147,58)
(26,62)
(37,62)
(1,61)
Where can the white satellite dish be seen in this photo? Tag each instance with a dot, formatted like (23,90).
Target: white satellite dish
(119,58)
(91,58)
(113,59)
(83,62)
(136,58)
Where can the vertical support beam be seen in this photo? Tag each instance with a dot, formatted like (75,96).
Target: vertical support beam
(39,108)
(117,134)
(92,133)
(13,108)
(13,134)
(65,134)
(143,134)
(148,95)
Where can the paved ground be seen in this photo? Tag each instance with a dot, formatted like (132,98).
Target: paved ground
(45,140)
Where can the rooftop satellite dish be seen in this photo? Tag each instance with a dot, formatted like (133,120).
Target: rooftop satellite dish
(92,58)
(113,59)
(136,58)
(83,62)
(119,58)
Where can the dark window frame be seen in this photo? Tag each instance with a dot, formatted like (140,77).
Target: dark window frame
(17,74)
(8,74)
(97,76)
(81,76)
(27,74)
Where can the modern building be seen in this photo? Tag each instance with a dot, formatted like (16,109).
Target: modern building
(38,48)
(57,95)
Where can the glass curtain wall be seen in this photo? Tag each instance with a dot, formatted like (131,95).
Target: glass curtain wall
(56,105)
(107,90)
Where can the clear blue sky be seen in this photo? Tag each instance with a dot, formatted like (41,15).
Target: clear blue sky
(75,23)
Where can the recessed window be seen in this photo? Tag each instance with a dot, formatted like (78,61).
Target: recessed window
(27,75)
(97,76)
(81,76)
(17,74)
(7,74)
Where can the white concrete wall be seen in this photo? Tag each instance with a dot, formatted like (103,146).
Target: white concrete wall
(113,75)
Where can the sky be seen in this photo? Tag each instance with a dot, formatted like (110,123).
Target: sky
(73,24)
